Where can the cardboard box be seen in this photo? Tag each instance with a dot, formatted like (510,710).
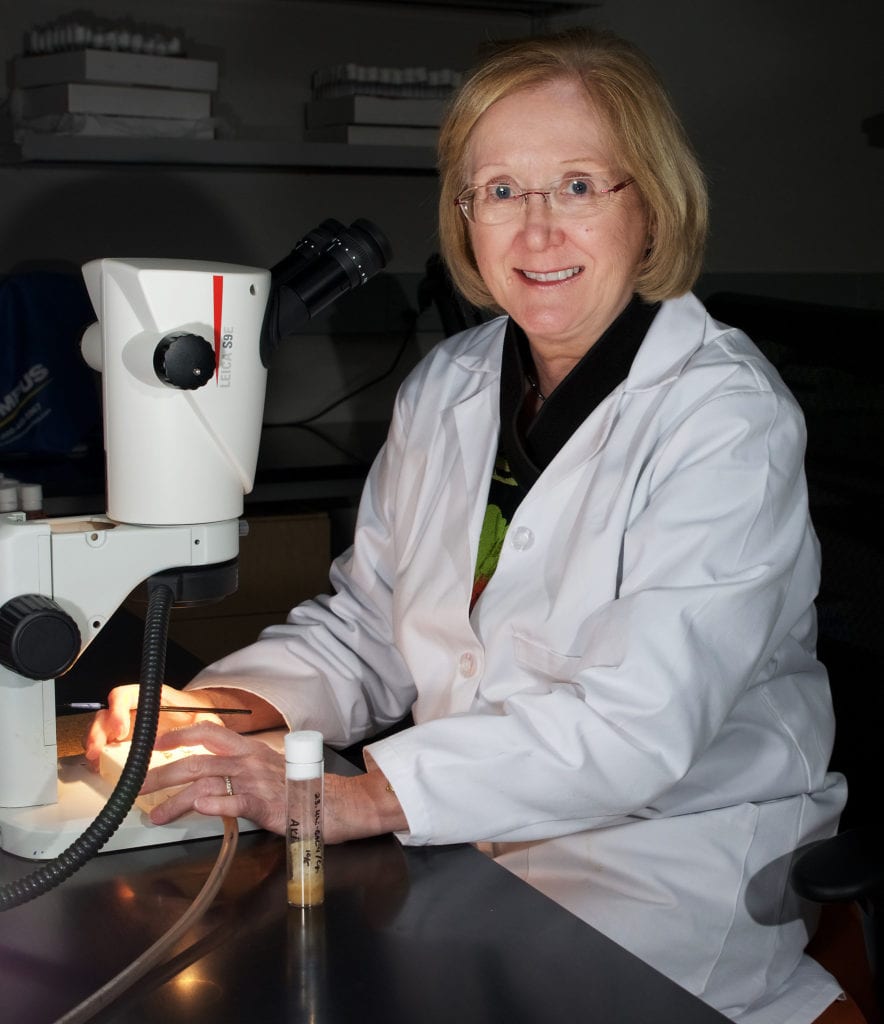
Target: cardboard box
(128,100)
(117,67)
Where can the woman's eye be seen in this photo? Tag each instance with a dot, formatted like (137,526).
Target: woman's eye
(576,188)
(502,192)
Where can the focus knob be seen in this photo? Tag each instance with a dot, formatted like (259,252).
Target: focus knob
(37,638)
(184,361)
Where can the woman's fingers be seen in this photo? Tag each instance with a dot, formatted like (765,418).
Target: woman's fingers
(115,723)
(211,735)
(256,773)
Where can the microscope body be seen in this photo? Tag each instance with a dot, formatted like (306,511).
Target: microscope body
(182,347)
(177,344)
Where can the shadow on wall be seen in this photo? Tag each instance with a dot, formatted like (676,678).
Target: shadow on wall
(129,213)
(347,363)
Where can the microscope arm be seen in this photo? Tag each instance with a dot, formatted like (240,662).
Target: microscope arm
(81,570)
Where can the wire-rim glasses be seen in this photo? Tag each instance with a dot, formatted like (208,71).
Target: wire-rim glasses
(501,201)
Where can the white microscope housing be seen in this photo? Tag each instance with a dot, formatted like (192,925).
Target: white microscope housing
(183,385)
(182,347)
(177,345)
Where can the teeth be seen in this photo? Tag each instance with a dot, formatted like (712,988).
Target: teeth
(555,275)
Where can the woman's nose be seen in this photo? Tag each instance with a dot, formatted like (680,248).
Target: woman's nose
(540,224)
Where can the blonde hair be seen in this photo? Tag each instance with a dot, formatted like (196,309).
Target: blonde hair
(649,142)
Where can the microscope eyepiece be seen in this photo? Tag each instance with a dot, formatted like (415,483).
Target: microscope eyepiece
(327,262)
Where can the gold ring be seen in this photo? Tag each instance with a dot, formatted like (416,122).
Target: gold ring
(229,785)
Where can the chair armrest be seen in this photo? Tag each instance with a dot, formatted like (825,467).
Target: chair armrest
(846,867)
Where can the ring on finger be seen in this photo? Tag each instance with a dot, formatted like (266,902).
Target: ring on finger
(229,785)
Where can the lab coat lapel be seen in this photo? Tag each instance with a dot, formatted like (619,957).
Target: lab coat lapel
(476,421)
(445,483)
(677,331)
(436,610)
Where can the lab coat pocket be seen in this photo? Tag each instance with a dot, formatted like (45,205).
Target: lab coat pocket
(538,658)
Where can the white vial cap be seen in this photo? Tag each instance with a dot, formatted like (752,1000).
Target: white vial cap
(304,747)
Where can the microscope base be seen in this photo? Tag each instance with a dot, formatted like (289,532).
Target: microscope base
(41,833)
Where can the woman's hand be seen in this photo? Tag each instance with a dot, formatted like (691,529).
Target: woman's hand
(256,773)
(354,807)
(115,723)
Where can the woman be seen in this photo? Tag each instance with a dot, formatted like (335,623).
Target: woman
(583,561)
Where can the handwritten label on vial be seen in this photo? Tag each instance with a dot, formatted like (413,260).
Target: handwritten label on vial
(306,882)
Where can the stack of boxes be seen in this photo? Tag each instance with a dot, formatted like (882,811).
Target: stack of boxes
(376,106)
(78,85)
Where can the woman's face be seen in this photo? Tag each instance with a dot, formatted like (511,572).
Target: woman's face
(563,279)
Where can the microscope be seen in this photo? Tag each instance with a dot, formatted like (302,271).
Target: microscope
(183,348)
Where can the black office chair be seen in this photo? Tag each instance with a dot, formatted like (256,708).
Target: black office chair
(849,868)
(826,356)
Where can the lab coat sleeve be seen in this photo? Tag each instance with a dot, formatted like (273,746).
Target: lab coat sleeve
(332,666)
(717,531)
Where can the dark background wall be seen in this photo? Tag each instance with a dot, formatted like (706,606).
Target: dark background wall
(773,94)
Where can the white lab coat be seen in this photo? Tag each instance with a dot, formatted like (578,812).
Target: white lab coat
(632,718)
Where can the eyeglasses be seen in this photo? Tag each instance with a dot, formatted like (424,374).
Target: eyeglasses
(500,201)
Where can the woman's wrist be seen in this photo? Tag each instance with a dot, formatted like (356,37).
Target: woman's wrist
(387,810)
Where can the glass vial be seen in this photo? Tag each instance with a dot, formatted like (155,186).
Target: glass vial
(307,991)
(304,849)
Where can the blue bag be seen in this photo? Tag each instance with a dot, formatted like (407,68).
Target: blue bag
(49,400)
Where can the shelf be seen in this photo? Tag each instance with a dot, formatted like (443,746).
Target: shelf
(266,154)
(533,8)
(54,149)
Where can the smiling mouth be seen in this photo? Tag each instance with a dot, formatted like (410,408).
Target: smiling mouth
(553,275)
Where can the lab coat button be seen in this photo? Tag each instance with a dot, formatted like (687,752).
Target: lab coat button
(467,664)
(523,538)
